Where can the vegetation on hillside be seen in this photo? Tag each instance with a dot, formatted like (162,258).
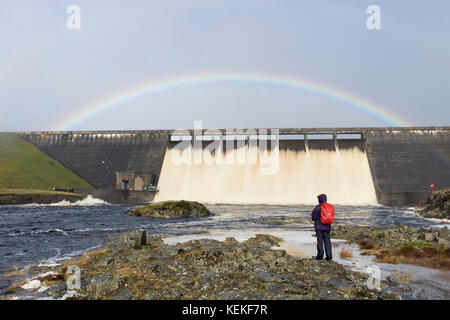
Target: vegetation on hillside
(23,166)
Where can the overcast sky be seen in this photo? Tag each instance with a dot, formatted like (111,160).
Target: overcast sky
(48,72)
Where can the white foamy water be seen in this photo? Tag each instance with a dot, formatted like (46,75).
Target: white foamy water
(88,201)
(344,175)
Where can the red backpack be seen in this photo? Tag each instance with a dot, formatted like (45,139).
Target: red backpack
(326,213)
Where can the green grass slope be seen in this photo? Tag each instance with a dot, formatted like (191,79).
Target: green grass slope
(23,166)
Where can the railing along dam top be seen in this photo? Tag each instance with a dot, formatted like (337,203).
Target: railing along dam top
(281,131)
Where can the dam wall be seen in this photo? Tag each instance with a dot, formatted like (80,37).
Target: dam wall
(113,162)
(390,166)
(404,163)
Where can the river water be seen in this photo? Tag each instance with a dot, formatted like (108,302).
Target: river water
(50,233)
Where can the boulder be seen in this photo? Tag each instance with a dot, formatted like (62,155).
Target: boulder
(444,233)
(171,209)
(265,240)
(130,240)
(103,285)
(428,237)
(155,241)
(71,295)
(32,285)
(438,206)
(443,242)
(230,241)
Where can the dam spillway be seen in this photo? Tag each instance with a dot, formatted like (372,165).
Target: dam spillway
(391,166)
(294,174)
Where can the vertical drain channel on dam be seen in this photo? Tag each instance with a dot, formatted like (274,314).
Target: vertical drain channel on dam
(307,165)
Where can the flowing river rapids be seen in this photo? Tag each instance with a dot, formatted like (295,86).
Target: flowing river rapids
(47,234)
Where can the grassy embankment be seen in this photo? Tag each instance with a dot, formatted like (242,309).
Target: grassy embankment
(23,196)
(428,257)
(26,171)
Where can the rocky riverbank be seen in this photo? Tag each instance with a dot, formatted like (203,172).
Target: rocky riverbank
(438,206)
(171,209)
(290,220)
(400,244)
(392,236)
(134,266)
(23,196)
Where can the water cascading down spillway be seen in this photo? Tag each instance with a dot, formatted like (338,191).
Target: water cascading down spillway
(248,170)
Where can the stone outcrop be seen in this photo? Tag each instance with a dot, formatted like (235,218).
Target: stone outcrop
(438,206)
(171,209)
(207,269)
(131,240)
(392,236)
(290,220)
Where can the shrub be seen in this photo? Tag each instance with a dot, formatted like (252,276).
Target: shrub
(367,245)
(346,253)
(425,257)
(410,252)
(402,277)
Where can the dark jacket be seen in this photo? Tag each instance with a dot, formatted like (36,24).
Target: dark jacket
(315,216)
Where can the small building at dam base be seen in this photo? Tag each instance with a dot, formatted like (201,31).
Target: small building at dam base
(389,166)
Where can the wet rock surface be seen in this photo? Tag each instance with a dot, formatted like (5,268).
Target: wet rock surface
(283,221)
(131,240)
(204,269)
(171,209)
(392,236)
(438,206)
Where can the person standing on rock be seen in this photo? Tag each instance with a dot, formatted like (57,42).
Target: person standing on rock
(323,215)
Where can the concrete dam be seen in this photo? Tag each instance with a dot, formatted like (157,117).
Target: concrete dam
(389,166)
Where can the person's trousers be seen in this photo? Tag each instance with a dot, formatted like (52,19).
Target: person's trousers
(323,237)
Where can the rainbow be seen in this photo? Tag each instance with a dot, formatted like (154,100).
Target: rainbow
(295,83)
